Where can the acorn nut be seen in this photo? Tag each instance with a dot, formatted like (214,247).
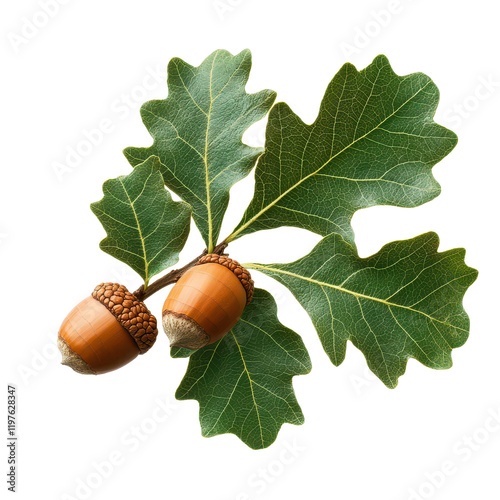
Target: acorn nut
(206,302)
(106,331)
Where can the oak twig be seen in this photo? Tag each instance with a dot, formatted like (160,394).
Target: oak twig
(174,275)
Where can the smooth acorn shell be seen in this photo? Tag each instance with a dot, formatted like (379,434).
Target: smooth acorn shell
(203,306)
(97,342)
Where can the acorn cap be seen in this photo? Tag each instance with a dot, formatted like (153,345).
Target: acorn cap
(240,272)
(130,312)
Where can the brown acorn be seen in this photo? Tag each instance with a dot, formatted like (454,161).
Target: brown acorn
(106,331)
(206,302)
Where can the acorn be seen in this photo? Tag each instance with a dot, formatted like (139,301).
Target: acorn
(206,302)
(106,331)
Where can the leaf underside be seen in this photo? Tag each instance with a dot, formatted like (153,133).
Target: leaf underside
(404,301)
(146,229)
(197,133)
(373,143)
(244,381)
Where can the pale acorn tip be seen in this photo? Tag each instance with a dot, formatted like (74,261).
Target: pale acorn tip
(183,331)
(71,359)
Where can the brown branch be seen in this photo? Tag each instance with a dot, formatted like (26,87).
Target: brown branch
(174,276)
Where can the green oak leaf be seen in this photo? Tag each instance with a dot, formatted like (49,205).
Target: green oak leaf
(405,301)
(243,382)
(373,143)
(180,352)
(197,133)
(146,229)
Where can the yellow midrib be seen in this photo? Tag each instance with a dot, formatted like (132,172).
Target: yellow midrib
(205,161)
(350,292)
(146,266)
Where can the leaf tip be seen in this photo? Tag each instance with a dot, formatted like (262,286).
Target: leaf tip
(382,60)
(246,53)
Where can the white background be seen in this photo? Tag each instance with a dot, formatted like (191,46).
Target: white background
(89,62)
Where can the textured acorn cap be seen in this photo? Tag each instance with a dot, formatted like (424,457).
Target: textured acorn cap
(240,272)
(130,312)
